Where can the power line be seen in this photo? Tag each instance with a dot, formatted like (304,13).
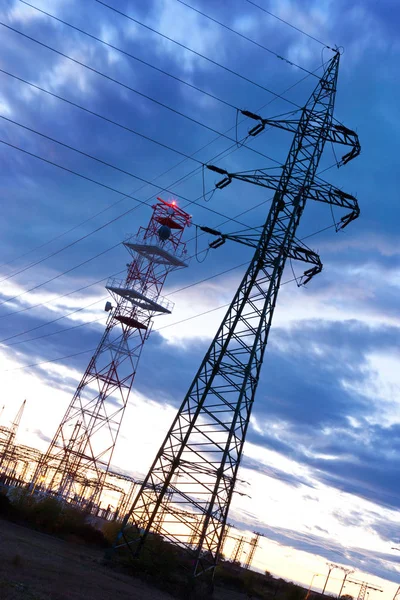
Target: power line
(39,337)
(116,274)
(128,87)
(155,330)
(245,37)
(100,227)
(103,162)
(151,66)
(125,195)
(289,24)
(84,287)
(100,116)
(60,358)
(48,323)
(54,164)
(198,53)
(103,299)
(170,294)
(234,147)
(97,255)
(39,285)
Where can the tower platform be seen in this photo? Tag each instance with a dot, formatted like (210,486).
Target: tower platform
(154,253)
(146,300)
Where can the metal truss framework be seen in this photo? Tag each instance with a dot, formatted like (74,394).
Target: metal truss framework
(364,587)
(252,550)
(8,454)
(203,448)
(77,461)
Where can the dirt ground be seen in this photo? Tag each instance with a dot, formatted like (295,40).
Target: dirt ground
(36,566)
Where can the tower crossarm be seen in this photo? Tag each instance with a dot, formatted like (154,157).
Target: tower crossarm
(322,191)
(297,251)
(336,133)
(319,190)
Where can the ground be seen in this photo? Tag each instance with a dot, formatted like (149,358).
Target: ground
(36,566)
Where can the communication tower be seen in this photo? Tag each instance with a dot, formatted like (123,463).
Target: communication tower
(76,463)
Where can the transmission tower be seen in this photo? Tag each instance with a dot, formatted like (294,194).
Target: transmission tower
(205,442)
(364,587)
(7,440)
(252,550)
(237,550)
(76,463)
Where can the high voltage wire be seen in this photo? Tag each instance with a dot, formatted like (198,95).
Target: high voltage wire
(100,227)
(39,285)
(155,330)
(84,287)
(219,134)
(234,147)
(48,323)
(109,249)
(125,195)
(40,337)
(290,62)
(120,272)
(103,162)
(104,118)
(289,24)
(167,295)
(103,299)
(128,87)
(105,251)
(151,66)
(199,53)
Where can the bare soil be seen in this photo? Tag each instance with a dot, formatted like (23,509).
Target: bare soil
(36,566)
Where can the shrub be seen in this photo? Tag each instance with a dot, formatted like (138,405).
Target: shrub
(110,531)
(5,506)
(45,514)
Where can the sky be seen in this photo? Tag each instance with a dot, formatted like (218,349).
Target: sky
(321,460)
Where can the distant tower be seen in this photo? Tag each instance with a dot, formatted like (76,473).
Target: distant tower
(7,441)
(253,547)
(238,549)
(76,463)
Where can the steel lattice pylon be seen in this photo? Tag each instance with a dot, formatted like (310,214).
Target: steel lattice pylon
(204,445)
(8,452)
(78,458)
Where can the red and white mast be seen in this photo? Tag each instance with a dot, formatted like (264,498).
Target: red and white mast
(76,463)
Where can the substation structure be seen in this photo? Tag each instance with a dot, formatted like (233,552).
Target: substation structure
(14,460)
(76,464)
(192,478)
(18,464)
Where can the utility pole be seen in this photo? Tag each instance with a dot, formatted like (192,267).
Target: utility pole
(347,572)
(76,464)
(205,441)
(331,566)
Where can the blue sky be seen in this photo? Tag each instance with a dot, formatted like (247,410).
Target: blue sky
(325,432)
